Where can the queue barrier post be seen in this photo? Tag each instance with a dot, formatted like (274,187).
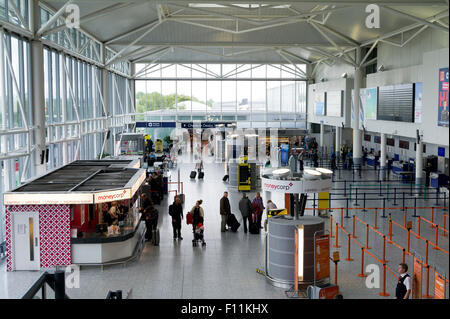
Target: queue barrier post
(436,239)
(445,202)
(348,249)
(336,245)
(390,227)
(403,199)
(418,227)
(403,255)
(395,197)
(384,249)
(379,193)
(409,238)
(356,198)
(346,211)
(427,295)
(384,208)
(354,226)
(342,216)
(362,274)
(329,202)
(415,207)
(335,272)
(384,293)
(345,185)
(364,203)
(406,212)
(376,219)
(367,236)
(426,251)
(437,197)
(331,226)
(432,217)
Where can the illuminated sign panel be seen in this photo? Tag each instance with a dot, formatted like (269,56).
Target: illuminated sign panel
(112,196)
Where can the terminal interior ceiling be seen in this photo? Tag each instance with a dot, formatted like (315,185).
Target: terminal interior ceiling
(76,76)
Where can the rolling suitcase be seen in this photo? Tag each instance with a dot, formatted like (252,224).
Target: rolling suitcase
(225,178)
(254,227)
(193,174)
(233,223)
(201,175)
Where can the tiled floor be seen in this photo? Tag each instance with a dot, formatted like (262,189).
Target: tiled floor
(226,268)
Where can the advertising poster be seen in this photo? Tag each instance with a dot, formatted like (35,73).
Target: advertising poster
(418,102)
(417,280)
(371,103)
(439,287)
(334,103)
(319,104)
(322,256)
(362,103)
(443,98)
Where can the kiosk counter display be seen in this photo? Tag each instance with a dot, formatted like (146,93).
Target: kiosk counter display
(86,212)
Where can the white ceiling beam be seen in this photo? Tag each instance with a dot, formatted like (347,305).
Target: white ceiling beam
(295,56)
(338,34)
(92,16)
(419,20)
(118,54)
(53,19)
(128,33)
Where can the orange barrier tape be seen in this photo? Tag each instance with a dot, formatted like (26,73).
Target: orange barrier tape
(433,224)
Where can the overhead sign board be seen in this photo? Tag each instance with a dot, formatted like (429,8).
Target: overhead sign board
(111,196)
(46,198)
(296,187)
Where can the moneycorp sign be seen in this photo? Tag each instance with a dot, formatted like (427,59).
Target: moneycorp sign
(296,187)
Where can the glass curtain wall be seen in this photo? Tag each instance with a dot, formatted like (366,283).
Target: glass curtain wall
(254,95)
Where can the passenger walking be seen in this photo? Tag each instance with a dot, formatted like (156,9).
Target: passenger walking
(198,214)
(258,204)
(403,289)
(225,211)
(333,161)
(316,158)
(246,209)
(350,160)
(176,212)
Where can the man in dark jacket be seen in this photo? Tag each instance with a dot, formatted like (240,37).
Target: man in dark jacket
(176,212)
(246,209)
(225,211)
(152,220)
(145,211)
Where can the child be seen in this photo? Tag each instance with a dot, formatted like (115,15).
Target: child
(198,234)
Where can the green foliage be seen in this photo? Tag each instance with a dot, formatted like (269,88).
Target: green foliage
(155,101)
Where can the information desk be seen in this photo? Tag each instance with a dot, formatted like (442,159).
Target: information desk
(94,248)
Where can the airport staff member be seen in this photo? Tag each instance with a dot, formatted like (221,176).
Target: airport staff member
(403,289)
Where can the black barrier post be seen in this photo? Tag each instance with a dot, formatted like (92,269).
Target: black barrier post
(364,203)
(346,213)
(384,208)
(415,207)
(314,200)
(345,188)
(379,182)
(60,284)
(445,202)
(437,196)
(360,168)
(329,202)
(356,201)
(353,174)
(410,188)
(395,197)
(403,200)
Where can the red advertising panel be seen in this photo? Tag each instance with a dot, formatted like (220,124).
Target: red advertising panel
(439,287)
(417,279)
(322,249)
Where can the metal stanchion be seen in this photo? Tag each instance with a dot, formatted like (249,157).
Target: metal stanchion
(364,203)
(346,213)
(437,197)
(403,200)
(384,208)
(356,201)
(329,202)
(445,202)
(345,188)
(379,194)
(362,274)
(395,197)
(415,207)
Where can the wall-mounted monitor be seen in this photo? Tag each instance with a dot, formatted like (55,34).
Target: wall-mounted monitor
(377,139)
(396,103)
(403,144)
(390,141)
(441,151)
(334,103)
(367,137)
